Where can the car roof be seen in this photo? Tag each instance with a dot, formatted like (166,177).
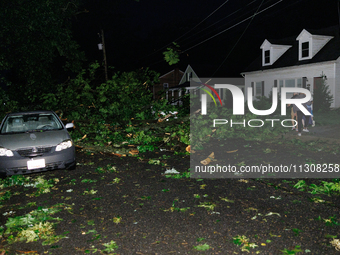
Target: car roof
(29,112)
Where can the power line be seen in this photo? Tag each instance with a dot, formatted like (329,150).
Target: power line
(244,31)
(202,21)
(187,31)
(251,17)
(201,30)
(192,35)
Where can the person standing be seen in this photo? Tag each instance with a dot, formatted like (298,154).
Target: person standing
(304,120)
(293,113)
(300,115)
(312,116)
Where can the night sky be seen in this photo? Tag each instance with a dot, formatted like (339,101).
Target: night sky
(217,38)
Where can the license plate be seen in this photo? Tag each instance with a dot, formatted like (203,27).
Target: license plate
(34,164)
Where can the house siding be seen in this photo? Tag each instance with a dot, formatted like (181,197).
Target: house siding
(269,77)
(172,78)
(188,74)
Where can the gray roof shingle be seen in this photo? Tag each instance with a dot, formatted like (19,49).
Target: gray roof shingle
(331,51)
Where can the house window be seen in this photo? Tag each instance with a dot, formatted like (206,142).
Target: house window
(305,49)
(219,92)
(259,89)
(267,57)
(197,92)
(165,86)
(290,83)
(299,83)
(189,76)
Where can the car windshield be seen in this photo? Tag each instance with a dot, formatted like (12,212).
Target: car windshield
(21,123)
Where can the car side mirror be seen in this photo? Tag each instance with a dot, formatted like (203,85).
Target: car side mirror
(69,125)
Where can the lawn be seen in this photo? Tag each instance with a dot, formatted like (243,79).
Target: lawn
(148,204)
(329,118)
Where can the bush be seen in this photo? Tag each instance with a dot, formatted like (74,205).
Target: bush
(322,96)
(265,103)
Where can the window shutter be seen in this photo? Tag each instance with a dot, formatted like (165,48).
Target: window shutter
(304,82)
(252,86)
(262,88)
(275,83)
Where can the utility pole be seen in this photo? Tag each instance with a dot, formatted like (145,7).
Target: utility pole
(104,54)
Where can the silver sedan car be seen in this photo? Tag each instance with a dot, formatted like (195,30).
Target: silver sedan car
(35,141)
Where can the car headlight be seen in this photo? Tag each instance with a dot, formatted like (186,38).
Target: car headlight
(5,152)
(64,145)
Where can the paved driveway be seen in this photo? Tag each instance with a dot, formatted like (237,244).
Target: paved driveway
(329,133)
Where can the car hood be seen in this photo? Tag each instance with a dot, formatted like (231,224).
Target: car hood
(33,139)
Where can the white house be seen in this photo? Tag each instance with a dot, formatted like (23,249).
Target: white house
(300,61)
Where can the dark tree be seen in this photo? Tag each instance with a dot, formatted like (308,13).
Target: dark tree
(36,45)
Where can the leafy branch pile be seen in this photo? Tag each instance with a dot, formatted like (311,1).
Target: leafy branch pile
(202,129)
(33,226)
(121,110)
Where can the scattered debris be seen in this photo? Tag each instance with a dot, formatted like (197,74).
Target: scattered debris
(232,151)
(119,155)
(336,244)
(134,152)
(208,159)
(171,171)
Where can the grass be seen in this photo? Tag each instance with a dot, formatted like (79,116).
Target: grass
(329,118)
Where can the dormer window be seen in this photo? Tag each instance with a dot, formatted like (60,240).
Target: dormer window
(272,52)
(310,45)
(267,57)
(305,49)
